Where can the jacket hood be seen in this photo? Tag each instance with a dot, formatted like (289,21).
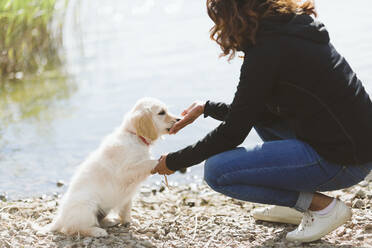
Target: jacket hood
(300,26)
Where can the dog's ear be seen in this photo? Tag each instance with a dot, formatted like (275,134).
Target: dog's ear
(144,125)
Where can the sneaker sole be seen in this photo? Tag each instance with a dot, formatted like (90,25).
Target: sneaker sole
(294,220)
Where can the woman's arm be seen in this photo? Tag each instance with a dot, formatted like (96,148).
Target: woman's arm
(216,110)
(258,73)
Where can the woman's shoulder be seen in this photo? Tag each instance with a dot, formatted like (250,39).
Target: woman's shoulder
(299,27)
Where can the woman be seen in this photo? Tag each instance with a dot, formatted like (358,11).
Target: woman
(304,101)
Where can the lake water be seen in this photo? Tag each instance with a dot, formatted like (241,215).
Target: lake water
(119,51)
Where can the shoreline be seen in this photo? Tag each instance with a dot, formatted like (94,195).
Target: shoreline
(184,216)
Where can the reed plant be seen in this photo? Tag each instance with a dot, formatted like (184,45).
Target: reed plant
(27,44)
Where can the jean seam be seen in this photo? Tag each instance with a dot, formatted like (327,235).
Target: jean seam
(225,174)
(351,174)
(332,179)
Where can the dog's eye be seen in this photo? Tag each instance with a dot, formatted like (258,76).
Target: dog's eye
(161,112)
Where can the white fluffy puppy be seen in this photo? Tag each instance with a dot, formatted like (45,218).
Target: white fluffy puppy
(107,180)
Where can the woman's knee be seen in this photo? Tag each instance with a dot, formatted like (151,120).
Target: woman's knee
(211,171)
(218,165)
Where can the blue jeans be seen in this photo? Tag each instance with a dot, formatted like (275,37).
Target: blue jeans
(281,171)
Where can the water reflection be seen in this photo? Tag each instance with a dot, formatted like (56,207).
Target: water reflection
(29,109)
(33,99)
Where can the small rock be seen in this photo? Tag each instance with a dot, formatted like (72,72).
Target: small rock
(204,202)
(359,218)
(369,196)
(358,204)
(41,234)
(87,241)
(341,231)
(3,197)
(368,227)
(60,183)
(294,244)
(348,197)
(360,237)
(369,177)
(363,183)
(162,188)
(360,194)
(147,244)
(56,238)
(146,193)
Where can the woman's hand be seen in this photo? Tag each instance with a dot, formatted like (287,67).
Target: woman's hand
(162,168)
(190,115)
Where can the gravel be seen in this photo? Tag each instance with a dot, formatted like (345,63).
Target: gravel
(182,216)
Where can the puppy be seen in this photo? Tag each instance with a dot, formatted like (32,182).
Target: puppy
(107,180)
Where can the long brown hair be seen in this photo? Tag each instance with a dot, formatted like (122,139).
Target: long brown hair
(237,21)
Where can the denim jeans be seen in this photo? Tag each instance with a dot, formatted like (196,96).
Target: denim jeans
(281,171)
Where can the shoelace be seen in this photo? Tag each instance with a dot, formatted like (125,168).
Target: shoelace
(307,220)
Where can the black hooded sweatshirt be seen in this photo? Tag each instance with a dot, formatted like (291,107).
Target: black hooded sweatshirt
(293,73)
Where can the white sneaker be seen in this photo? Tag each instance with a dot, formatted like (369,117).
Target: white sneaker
(314,226)
(278,214)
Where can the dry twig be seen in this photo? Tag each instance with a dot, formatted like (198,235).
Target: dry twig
(195,226)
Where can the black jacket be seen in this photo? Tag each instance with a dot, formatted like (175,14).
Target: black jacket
(293,72)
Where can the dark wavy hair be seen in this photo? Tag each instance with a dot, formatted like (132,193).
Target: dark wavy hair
(237,21)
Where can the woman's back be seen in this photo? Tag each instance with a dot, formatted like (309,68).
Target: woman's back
(317,89)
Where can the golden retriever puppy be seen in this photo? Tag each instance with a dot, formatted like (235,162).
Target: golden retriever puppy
(107,180)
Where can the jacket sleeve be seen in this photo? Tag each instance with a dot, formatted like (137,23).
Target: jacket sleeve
(257,76)
(216,110)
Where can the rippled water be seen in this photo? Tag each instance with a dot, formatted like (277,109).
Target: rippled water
(119,51)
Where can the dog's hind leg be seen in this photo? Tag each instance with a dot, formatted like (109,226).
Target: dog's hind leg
(82,218)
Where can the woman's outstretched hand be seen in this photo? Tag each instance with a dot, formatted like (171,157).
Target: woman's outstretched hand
(189,116)
(162,168)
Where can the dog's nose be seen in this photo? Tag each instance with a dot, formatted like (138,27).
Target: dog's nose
(178,119)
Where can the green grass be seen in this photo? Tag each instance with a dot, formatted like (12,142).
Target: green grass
(26,43)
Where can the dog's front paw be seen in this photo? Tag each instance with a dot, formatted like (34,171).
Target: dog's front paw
(110,222)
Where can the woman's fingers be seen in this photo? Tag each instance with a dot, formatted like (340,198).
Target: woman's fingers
(181,124)
(176,127)
(186,111)
(190,115)
(162,168)
(157,167)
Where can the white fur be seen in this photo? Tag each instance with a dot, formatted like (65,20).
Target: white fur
(107,180)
